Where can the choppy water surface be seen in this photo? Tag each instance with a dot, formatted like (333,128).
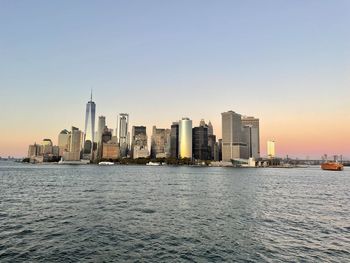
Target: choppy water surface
(52,213)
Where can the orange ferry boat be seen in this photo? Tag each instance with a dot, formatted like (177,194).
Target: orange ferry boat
(332,166)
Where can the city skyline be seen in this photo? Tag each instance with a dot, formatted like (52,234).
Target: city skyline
(286,64)
(217,132)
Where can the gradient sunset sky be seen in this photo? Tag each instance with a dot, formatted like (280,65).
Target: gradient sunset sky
(285,62)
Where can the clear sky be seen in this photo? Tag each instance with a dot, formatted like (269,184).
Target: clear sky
(286,62)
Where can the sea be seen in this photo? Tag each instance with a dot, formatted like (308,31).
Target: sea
(126,213)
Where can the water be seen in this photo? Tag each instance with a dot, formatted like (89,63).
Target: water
(52,213)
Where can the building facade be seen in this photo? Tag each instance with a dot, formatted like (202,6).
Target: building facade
(110,151)
(63,141)
(75,146)
(251,138)
(174,140)
(271,150)
(123,133)
(160,143)
(139,148)
(255,126)
(233,145)
(200,142)
(185,138)
(89,133)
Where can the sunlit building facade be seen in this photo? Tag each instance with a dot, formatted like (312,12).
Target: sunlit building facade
(75,146)
(233,145)
(255,129)
(185,138)
(110,151)
(271,150)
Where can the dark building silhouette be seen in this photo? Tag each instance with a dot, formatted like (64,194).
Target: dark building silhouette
(211,145)
(174,140)
(200,143)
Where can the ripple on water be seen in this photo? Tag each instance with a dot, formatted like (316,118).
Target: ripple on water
(130,214)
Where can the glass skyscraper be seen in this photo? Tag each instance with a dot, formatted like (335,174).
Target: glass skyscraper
(89,134)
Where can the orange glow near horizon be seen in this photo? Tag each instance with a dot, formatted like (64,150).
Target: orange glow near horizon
(300,138)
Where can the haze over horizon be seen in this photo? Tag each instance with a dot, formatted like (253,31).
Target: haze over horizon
(286,63)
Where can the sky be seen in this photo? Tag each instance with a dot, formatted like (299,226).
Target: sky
(285,62)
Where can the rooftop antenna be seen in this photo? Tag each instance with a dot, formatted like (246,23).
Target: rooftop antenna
(91,95)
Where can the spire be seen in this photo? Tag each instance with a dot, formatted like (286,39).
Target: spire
(91,95)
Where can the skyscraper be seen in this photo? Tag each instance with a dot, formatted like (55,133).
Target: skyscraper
(200,142)
(122,132)
(185,138)
(174,140)
(233,145)
(254,123)
(210,129)
(211,146)
(74,146)
(100,128)
(271,151)
(139,142)
(63,141)
(160,143)
(106,135)
(89,133)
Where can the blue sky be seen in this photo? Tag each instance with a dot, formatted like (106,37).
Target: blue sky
(161,60)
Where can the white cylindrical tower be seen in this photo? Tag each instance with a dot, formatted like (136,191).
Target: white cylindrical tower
(185,138)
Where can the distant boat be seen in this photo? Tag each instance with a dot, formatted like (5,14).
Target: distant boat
(105,163)
(153,164)
(332,166)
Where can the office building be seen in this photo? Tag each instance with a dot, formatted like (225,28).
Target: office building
(63,141)
(139,148)
(110,151)
(251,136)
(100,128)
(139,136)
(185,138)
(75,146)
(140,151)
(211,145)
(254,123)
(89,133)
(200,142)
(123,133)
(34,150)
(174,140)
(160,143)
(106,135)
(46,147)
(210,129)
(219,144)
(271,151)
(233,145)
